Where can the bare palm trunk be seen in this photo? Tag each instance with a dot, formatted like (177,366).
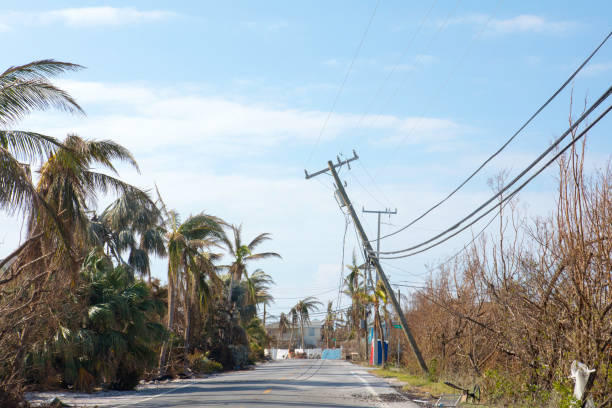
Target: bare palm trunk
(187,325)
(164,350)
(302,329)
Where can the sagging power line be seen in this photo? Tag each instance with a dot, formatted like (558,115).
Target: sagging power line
(498,151)
(512,194)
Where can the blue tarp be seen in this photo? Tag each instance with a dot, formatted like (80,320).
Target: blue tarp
(331,354)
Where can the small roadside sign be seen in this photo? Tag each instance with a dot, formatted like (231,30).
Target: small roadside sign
(397,326)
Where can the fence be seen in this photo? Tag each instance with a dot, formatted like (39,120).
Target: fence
(324,354)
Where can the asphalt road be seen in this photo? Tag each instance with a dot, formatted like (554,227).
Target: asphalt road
(287,383)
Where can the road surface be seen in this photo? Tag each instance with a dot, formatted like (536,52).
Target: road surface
(286,383)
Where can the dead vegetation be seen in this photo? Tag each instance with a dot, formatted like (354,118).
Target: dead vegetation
(515,309)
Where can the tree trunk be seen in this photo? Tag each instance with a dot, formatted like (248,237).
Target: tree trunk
(164,350)
(187,325)
(302,329)
(291,338)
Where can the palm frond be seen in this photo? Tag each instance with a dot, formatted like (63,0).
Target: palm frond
(259,239)
(105,151)
(28,146)
(16,189)
(20,97)
(104,183)
(262,255)
(38,70)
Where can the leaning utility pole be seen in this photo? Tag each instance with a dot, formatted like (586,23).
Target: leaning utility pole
(347,202)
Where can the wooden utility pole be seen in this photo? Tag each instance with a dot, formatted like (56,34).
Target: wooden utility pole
(388,212)
(379,212)
(399,302)
(379,270)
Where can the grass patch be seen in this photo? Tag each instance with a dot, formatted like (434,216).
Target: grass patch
(415,381)
(421,386)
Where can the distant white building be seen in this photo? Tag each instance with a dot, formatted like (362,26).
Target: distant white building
(312,335)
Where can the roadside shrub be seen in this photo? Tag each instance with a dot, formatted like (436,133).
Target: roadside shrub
(126,378)
(564,395)
(201,364)
(240,355)
(434,373)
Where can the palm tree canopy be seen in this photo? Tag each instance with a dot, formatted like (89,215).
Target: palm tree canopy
(69,186)
(26,88)
(242,253)
(304,307)
(133,223)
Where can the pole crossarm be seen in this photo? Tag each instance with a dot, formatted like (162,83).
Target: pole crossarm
(338,164)
(368,247)
(385,211)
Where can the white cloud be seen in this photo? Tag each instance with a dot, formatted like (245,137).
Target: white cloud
(94,16)
(85,17)
(149,118)
(199,150)
(520,24)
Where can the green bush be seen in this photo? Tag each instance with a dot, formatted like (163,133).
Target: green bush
(125,378)
(201,364)
(240,355)
(498,387)
(433,375)
(566,395)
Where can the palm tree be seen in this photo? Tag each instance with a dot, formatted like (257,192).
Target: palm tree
(303,308)
(24,89)
(258,286)
(67,185)
(59,233)
(330,319)
(187,263)
(134,225)
(294,321)
(283,324)
(243,254)
(378,299)
(116,337)
(355,288)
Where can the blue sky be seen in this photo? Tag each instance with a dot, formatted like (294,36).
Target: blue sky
(225,103)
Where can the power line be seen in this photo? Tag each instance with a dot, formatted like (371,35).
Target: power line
(552,160)
(365,189)
(443,85)
(302,297)
(348,72)
(359,162)
(441,28)
(475,237)
(395,66)
(521,174)
(505,144)
(340,284)
(379,90)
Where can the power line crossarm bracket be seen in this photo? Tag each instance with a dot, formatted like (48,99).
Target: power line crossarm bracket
(339,164)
